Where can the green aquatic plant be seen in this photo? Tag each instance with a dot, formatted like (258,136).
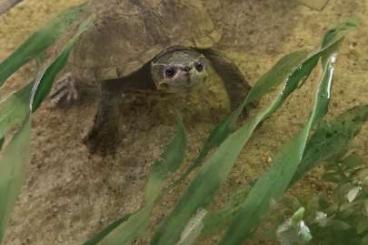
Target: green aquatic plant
(215,170)
(293,70)
(338,217)
(189,216)
(129,228)
(39,41)
(327,142)
(16,109)
(342,218)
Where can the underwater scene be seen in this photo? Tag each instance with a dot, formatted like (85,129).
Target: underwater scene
(179,122)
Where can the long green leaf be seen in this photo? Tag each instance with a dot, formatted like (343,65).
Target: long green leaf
(13,110)
(276,180)
(99,236)
(215,170)
(38,42)
(278,73)
(275,76)
(12,160)
(201,191)
(16,109)
(128,230)
(336,33)
(45,81)
(331,138)
(218,220)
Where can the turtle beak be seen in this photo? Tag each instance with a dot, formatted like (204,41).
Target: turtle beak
(164,86)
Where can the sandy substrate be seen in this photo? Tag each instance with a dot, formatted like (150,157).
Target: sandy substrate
(70,195)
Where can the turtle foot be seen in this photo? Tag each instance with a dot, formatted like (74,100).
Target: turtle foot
(64,91)
(103,138)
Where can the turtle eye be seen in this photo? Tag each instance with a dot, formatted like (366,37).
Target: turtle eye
(199,66)
(170,71)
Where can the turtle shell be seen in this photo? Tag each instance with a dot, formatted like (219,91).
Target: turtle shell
(129,33)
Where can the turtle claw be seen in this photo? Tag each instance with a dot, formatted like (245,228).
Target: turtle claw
(64,92)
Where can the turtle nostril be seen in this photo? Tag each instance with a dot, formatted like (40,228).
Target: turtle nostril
(187,68)
(199,66)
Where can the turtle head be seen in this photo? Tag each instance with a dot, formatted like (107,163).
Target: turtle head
(179,71)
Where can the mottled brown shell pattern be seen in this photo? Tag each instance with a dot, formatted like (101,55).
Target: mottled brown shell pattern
(129,33)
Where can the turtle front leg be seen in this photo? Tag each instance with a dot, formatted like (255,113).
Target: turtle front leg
(235,84)
(104,135)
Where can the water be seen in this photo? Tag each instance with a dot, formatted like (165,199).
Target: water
(69,195)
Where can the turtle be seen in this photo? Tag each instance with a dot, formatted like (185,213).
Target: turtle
(165,46)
